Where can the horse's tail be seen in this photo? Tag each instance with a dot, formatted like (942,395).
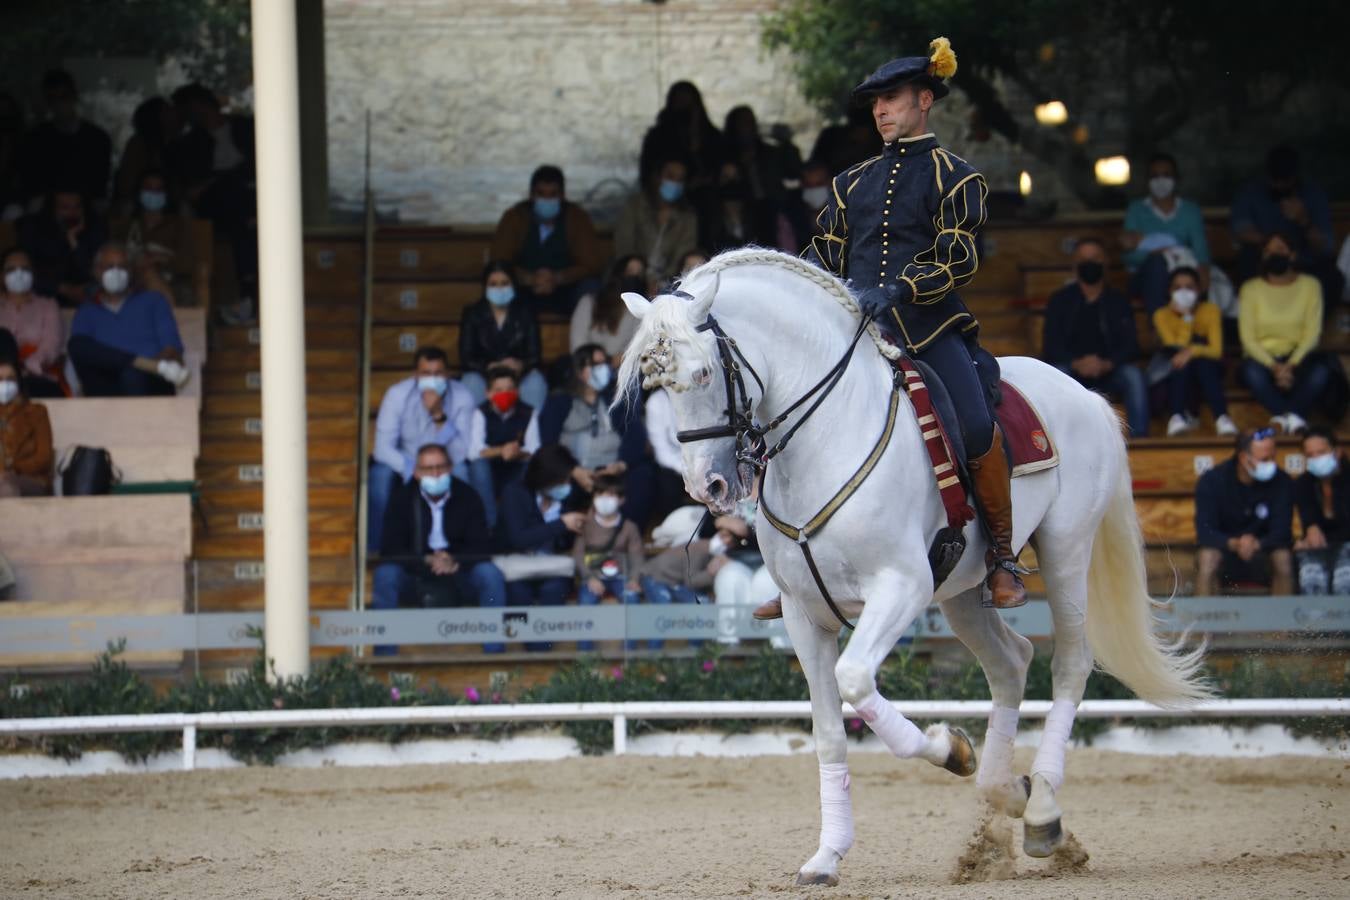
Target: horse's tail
(1121,626)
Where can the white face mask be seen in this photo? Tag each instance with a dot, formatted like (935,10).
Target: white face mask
(9,389)
(115,280)
(1161,187)
(1184,299)
(606,505)
(816,197)
(437,383)
(717,545)
(18,281)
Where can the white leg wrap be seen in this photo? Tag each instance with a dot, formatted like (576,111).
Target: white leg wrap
(836,808)
(899,734)
(1055,742)
(997,753)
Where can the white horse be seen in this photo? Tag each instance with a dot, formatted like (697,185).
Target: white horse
(790,323)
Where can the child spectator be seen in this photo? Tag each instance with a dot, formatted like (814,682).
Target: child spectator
(603,318)
(1191,334)
(1322,494)
(1244,518)
(503,437)
(607,551)
(25,438)
(501,331)
(1280,323)
(35,322)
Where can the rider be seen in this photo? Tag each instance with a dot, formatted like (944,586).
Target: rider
(901,227)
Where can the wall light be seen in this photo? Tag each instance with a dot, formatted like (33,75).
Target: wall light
(1024,184)
(1114,170)
(1052,113)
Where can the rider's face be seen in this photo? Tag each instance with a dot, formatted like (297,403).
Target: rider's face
(901,112)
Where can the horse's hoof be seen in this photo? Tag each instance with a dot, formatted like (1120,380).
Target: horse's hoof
(1015,801)
(829,879)
(1040,841)
(961,755)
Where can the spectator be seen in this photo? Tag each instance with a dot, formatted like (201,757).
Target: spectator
(1287,203)
(667,478)
(154,124)
(691,261)
(1280,323)
(61,239)
(552,244)
(1162,231)
(502,438)
(737,222)
(1243,518)
(214,166)
(681,575)
(684,131)
(25,438)
(582,421)
(803,210)
(744,581)
(534,519)
(608,552)
(160,243)
(761,169)
(426,408)
(435,548)
(124,341)
(1089,334)
(845,144)
(1191,334)
(658,223)
(35,322)
(1322,495)
(603,318)
(65,151)
(501,331)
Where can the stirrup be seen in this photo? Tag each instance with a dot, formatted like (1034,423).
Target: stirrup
(1010,566)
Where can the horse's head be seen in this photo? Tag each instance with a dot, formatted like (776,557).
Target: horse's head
(670,352)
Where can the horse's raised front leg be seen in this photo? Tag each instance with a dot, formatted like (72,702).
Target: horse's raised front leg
(1005,657)
(818,650)
(893,599)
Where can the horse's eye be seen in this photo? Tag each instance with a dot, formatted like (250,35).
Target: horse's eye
(703,376)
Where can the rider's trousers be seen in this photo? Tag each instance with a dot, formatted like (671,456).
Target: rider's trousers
(950,357)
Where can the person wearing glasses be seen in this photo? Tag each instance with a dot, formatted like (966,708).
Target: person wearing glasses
(1244,519)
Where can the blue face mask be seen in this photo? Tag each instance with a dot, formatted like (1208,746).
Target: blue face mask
(153,201)
(1322,466)
(547,208)
(559,492)
(500,296)
(437,383)
(671,191)
(435,485)
(1263,471)
(600,376)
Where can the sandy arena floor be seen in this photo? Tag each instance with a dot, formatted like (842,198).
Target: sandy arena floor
(635,827)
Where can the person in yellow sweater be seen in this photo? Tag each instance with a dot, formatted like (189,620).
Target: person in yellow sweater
(1280,323)
(1190,332)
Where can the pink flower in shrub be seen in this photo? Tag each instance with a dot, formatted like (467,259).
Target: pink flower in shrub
(709,665)
(394,694)
(616,673)
(496,698)
(278,703)
(471,693)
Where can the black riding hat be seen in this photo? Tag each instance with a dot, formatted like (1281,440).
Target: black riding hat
(930,71)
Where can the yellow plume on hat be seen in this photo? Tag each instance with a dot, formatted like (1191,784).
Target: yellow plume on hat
(942,64)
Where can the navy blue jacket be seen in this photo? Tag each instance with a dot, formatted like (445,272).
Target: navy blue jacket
(1061,315)
(407,520)
(1308,497)
(1226,508)
(521,527)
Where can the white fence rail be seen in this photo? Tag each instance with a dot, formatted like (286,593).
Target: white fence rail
(620,713)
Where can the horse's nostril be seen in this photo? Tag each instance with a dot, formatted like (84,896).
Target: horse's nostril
(717,487)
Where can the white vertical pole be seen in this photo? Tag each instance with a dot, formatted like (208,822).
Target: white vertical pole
(281,304)
(620,734)
(189,747)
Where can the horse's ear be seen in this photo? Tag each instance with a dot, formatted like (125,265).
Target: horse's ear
(636,303)
(698,310)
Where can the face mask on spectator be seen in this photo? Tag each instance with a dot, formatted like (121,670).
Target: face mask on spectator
(437,383)
(435,485)
(671,191)
(1323,465)
(1090,272)
(18,281)
(115,280)
(1161,186)
(606,505)
(559,492)
(816,197)
(599,377)
(9,389)
(1276,264)
(547,207)
(1263,471)
(501,295)
(154,201)
(717,545)
(1184,299)
(504,400)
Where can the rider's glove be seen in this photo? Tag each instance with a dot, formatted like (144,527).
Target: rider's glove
(876,301)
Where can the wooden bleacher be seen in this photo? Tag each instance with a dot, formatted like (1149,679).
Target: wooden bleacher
(150,439)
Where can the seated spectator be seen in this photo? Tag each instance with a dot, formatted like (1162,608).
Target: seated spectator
(502,438)
(580,419)
(1162,232)
(803,210)
(435,547)
(1191,334)
(552,244)
(608,552)
(160,243)
(760,168)
(602,318)
(1089,334)
(691,261)
(426,408)
(684,129)
(1322,495)
(61,240)
(124,341)
(25,438)
(1280,323)
(500,330)
(667,479)
(1244,519)
(1285,202)
(845,144)
(534,518)
(658,223)
(214,170)
(35,322)
(736,222)
(154,124)
(678,575)
(65,151)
